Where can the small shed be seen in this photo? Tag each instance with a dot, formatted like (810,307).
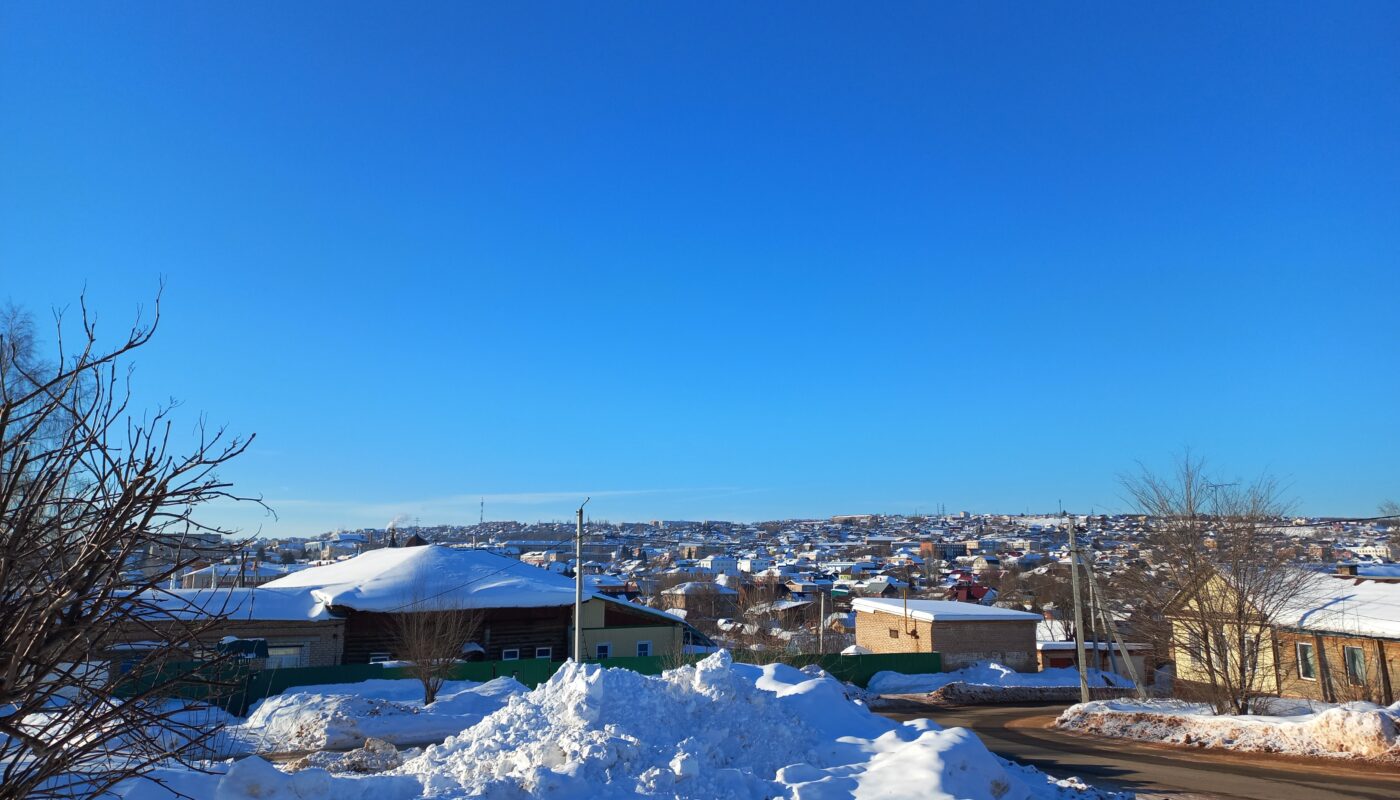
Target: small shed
(963,633)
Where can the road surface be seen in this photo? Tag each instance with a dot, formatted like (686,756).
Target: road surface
(1020,733)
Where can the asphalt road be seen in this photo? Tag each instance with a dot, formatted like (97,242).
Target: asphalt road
(1020,733)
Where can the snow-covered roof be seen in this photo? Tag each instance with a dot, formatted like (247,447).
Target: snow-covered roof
(943,610)
(776,606)
(595,582)
(674,616)
(1345,605)
(1378,570)
(699,587)
(431,576)
(253,569)
(253,603)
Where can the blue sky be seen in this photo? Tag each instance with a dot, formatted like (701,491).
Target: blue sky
(727,260)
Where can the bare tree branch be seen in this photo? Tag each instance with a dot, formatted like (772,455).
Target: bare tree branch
(88,497)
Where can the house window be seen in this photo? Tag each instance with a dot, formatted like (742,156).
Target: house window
(1307,662)
(1355,659)
(286,655)
(380,658)
(894,633)
(643,649)
(602,651)
(1193,647)
(545,653)
(510,655)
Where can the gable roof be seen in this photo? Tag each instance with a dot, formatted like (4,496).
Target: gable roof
(430,577)
(1345,605)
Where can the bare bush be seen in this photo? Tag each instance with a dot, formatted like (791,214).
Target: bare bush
(430,636)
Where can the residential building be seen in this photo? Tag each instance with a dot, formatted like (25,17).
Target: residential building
(963,633)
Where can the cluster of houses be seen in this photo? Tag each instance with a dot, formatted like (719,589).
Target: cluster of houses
(848,584)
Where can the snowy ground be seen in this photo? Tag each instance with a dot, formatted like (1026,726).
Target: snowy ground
(1351,730)
(341,716)
(989,673)
(714,729)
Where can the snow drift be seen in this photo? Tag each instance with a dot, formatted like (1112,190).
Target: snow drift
(1352,730)
(714,729)
(341,716)
(989,673)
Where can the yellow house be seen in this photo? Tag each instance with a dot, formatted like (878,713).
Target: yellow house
(1332,640)
(615,628)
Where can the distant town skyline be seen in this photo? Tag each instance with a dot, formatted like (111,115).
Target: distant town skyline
(726,262)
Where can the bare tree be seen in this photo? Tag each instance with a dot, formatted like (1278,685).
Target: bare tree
(1214,544)
(87,494)
(1390,508)
(431,636)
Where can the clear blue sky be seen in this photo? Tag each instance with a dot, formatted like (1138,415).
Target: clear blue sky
(728,260)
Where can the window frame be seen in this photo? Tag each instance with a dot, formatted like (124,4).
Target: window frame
(602,650)
(546,653)
(647,644)
(1352,678)
(379,657)
(510,654)
(303,657)
(1310,660)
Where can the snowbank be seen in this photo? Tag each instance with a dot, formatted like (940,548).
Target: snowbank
(166,783)
(989,673)
(255,778)
(341,716)
(714,729)
(1352,730)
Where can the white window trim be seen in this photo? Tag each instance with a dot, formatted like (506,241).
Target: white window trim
(303,657)
(1299,649)
(600,646)
(544,653)
(646,642)
(380,657)
(511,654)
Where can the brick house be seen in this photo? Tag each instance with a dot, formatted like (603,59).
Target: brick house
(701,600)
(962,632)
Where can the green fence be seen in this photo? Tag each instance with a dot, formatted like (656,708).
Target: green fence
(254,686)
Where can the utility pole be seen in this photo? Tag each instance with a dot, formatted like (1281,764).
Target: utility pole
(1127,660)
(578,587)
(1078,614)
(821,621)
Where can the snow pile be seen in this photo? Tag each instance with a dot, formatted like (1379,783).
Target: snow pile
(341,716)
(989,673)
(714,729)
(376,756)
(171,783)
(1351,730)
(255,778)
(186,726)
